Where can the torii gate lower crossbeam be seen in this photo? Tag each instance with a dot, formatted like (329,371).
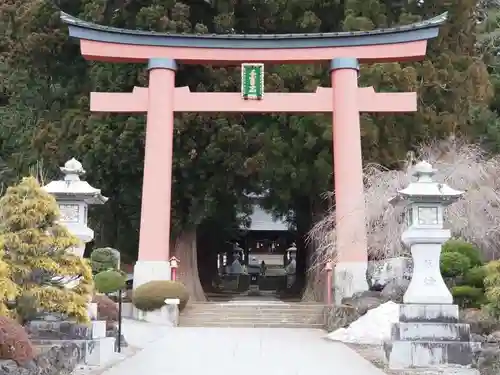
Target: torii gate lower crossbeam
(345,100)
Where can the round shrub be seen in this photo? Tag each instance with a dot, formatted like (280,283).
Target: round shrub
(466,249)
(454,264)
(14,342)
(151,296)
(467,296)
(109,281)
(475,277)
(103,259)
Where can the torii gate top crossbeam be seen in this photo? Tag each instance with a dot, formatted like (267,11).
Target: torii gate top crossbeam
(105,43)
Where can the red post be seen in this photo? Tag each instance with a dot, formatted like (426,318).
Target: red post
(329,269)
(174,264)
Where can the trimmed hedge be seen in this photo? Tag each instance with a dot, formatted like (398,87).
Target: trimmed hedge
(467,249)
(103,259)
(454,264)
(468,296)
(151,296)
(109,281)
(475,277)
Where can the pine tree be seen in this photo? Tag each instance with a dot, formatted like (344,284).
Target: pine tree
(35,247)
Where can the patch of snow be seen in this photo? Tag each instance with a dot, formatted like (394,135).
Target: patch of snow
(373,328)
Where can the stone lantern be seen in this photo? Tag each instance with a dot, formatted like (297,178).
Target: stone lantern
(425,200)
(73,197)
(428,332)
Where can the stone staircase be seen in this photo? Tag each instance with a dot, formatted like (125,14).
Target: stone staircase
(253,314)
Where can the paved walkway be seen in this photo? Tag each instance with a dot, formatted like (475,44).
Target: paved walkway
(244,351)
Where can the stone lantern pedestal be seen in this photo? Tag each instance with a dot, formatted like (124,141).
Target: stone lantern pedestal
(428,333)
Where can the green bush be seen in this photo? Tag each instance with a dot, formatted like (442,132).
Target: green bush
(466,249)
(104,259)
(475,277)
(109,281)
(454,264)
(151,296)
(492,287)
(467,296)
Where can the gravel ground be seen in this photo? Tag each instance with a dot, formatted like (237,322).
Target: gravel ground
(375,355)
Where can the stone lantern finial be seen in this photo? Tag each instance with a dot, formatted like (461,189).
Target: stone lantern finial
(72,170)
(424,171)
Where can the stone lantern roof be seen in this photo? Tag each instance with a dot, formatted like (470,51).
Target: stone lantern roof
(425,189)
(72,187)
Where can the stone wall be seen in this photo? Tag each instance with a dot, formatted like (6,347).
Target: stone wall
(53,360)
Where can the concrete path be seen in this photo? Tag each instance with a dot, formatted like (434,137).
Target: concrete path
(244,351)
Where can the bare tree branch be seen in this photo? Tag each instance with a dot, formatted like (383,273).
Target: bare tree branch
(474,218)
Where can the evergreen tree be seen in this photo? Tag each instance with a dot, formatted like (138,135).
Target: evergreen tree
(8,290)
(36,250)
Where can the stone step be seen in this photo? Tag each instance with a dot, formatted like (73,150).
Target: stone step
(428,354)
(234,324)
(254,311)
(254,319)
(251,316)
(423,331)
(231,307)
(248,313)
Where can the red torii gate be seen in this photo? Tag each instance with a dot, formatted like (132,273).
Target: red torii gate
(344,51)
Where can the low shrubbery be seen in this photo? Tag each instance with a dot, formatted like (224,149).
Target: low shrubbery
(106,309)
(467,296)
(14,342)
(475,277)
(468,250)
(454,264)
(492,287)
(151,296)
(463,270)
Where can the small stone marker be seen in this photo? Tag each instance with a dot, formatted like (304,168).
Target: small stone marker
(172,301)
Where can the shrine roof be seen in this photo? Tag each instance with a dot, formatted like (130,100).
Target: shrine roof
(423,30)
